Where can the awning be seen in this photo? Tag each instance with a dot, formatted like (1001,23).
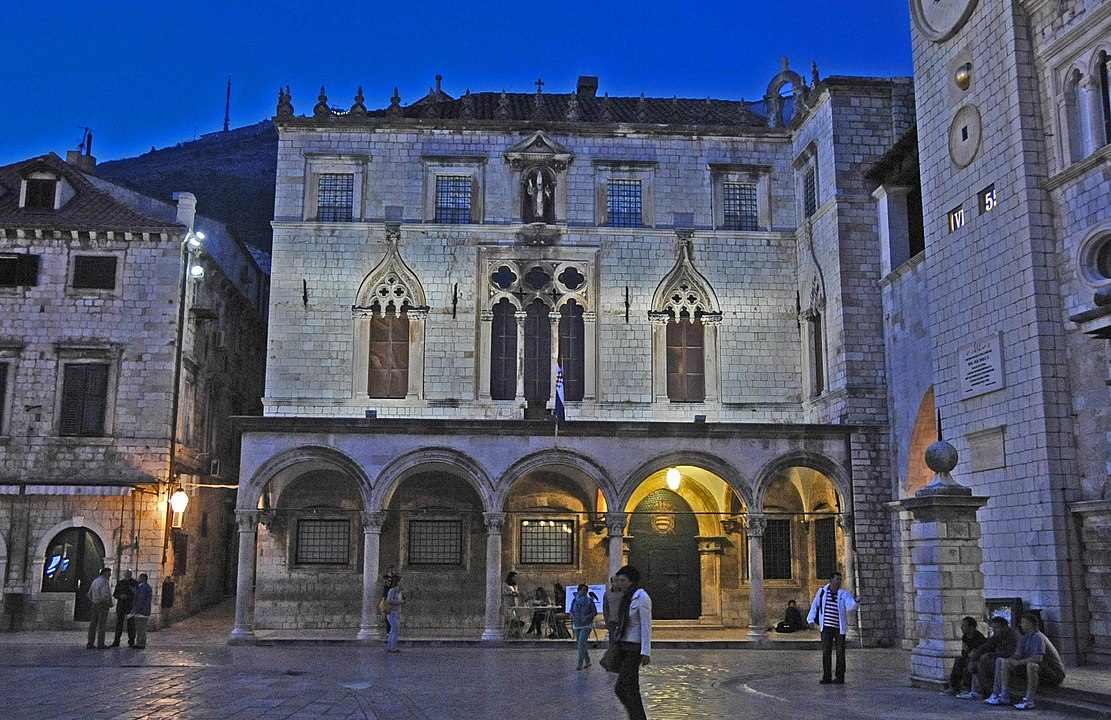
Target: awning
(97,490)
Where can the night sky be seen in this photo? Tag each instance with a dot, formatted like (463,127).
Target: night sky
(144,74)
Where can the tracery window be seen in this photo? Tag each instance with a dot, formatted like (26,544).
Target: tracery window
(686,358)
(572,342)
(538,352)
(503,355)
(389,354)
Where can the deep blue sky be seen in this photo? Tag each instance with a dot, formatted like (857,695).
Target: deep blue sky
(153,73)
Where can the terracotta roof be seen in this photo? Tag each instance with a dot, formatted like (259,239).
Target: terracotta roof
(88,209)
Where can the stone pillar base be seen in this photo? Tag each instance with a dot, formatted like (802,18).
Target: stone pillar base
(241,636)
(489,635)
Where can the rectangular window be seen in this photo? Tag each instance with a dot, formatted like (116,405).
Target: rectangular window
(547,542)
(3,394)
(686,360)
(19,269)
(985,199)
(817,354)
(956,219)
(84,399)
(810,191)
(94,272)
(825,547)
(40,194)
(777,550)
(453,199)
(335,197)
(623,203)
(323,542)
(739,206)
(435,542)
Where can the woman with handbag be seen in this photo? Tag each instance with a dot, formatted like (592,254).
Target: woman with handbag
(634,641)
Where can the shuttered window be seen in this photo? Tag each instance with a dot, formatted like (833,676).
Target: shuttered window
(94,272)
(19,269)
(686,367)
(572,350)
(84,399)
(389,356)
(503,353)
(777,550)
(40,194)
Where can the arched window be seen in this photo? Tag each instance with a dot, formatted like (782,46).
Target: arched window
(686,358)
(538,353)
(503,352)
(1105,92)
(72,561)
(572,344)
(388,371)
(816,343)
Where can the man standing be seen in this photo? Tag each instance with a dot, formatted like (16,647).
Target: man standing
(828,612)
(100,595)
(124,594)
(140,609)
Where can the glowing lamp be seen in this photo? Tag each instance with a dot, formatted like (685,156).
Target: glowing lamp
(178,501)
(673,479)
(196,272)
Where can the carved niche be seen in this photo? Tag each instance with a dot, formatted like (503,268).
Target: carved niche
(539,165)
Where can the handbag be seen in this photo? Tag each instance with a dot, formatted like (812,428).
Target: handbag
(611,659)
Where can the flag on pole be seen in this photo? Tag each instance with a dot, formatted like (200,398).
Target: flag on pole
(560,411)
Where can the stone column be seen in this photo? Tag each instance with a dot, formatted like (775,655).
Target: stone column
(945,556)
(494,630)
(372,535)
(590,349)
(845,522)
(1089,108)
(659,320)
(615,542)
(894,226)
(710,550)
(417,318)
(242,632)
(710,358)
(757,614)
(483,356)
(520,316)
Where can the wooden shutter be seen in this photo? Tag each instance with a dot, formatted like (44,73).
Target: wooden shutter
(476,200)
(686,379)
(84,399)
(389,356)
(503,352)
(572,350)
(538,352)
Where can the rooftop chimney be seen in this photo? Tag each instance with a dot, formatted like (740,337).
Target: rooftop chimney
(186,208)
(82,157)
(588,86)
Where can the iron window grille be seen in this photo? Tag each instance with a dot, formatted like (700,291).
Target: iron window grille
(547,542)
(335,197)
(453,199)
(810,192)
(739,206)
(94,272)
(777,550)
(825,547)
(623,203)
(435,542)
(323,542)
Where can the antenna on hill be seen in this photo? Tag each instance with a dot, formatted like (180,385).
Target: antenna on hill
(227,106)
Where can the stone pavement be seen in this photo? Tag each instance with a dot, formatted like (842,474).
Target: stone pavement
(450,683)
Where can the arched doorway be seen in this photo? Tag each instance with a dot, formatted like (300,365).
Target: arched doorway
(664,547)
(73,559)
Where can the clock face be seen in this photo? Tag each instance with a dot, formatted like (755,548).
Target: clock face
(939,20)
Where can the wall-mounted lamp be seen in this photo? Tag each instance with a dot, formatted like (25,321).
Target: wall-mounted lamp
(178,502)
(673,479)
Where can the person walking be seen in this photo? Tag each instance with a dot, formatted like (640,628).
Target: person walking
(100,595)
(394,599)
(583,611)
(828,610)
(634,634)
(124,594)
(611,609)
(140,610)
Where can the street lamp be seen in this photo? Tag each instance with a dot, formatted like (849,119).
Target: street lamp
(673,479)
(179,500)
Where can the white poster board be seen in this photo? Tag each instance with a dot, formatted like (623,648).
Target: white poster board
(597,592)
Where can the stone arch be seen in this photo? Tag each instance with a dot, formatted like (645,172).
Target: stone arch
(43,544)
(308,457)
(802,458)
(732,477)
(774,100)
(709,513)
(923,434)
(457,464)
(555,458)
(685,287)
(391,275)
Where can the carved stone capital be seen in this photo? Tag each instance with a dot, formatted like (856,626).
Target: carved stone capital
(417,313)
(373,521)
(521,316)
(712,318)
(845,522)
(494,522)
(486,316)
(247,520)
(554,316)
(755,525)
(590,317)
(659,317)
(615,523)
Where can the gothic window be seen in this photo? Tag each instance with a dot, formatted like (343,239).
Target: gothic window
(335,199)
(686,368)
(777,550)
(739,206)
(538,352)
(453,199)
(84,399)
(623,203)
(40,194)
(323,542)
(1105,90)
(389,354)
(810,191)
(503,352)
(825,547)
(572,350)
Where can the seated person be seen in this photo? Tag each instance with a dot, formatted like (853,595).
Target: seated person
(539,599)
(1035,659)
(971,638)
(792,619)
(981,661)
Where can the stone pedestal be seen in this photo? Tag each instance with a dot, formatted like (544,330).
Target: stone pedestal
(1094,519)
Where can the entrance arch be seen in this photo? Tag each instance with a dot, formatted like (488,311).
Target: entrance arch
(71,561)
(665,550)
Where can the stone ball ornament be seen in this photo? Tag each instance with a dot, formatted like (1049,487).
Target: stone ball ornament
(963,76)
(941,457)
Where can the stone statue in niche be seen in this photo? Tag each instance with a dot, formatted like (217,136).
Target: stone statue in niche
(539,192)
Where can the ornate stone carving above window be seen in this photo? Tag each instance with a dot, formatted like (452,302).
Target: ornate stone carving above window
(539,165)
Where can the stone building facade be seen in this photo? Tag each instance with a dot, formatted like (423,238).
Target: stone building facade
(90,276)
(699,276)
(994,322)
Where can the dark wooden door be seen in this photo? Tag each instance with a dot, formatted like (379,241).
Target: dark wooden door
(665,550)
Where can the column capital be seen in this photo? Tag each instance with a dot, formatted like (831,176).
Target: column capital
(486,316)
(554,317)
(755,525)
(710,545)
(495,521)
(845,522)
(615,523)
(247,520)
(521,315)
(373,521)
(659,317)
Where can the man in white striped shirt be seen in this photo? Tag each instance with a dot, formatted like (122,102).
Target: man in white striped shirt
(828,612)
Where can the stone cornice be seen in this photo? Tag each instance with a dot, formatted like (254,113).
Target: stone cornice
(1078,169)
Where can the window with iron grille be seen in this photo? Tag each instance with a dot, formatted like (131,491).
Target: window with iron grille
(323,542)
(777,550)
(94,272)
(435,542)
(84,399)
(810,191)
(19,269)
(825,547)
(623,203)
(547,542)
(335,197)
(739,206)
(453,199)
(40,194)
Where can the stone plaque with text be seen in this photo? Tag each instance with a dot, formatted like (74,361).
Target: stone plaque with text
(981,367)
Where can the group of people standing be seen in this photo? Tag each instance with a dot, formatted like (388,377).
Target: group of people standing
(133,600)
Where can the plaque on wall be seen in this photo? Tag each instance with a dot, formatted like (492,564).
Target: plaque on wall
(987,449)
(981,367)
(940,20)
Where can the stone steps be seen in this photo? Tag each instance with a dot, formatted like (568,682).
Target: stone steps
(1079,703)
